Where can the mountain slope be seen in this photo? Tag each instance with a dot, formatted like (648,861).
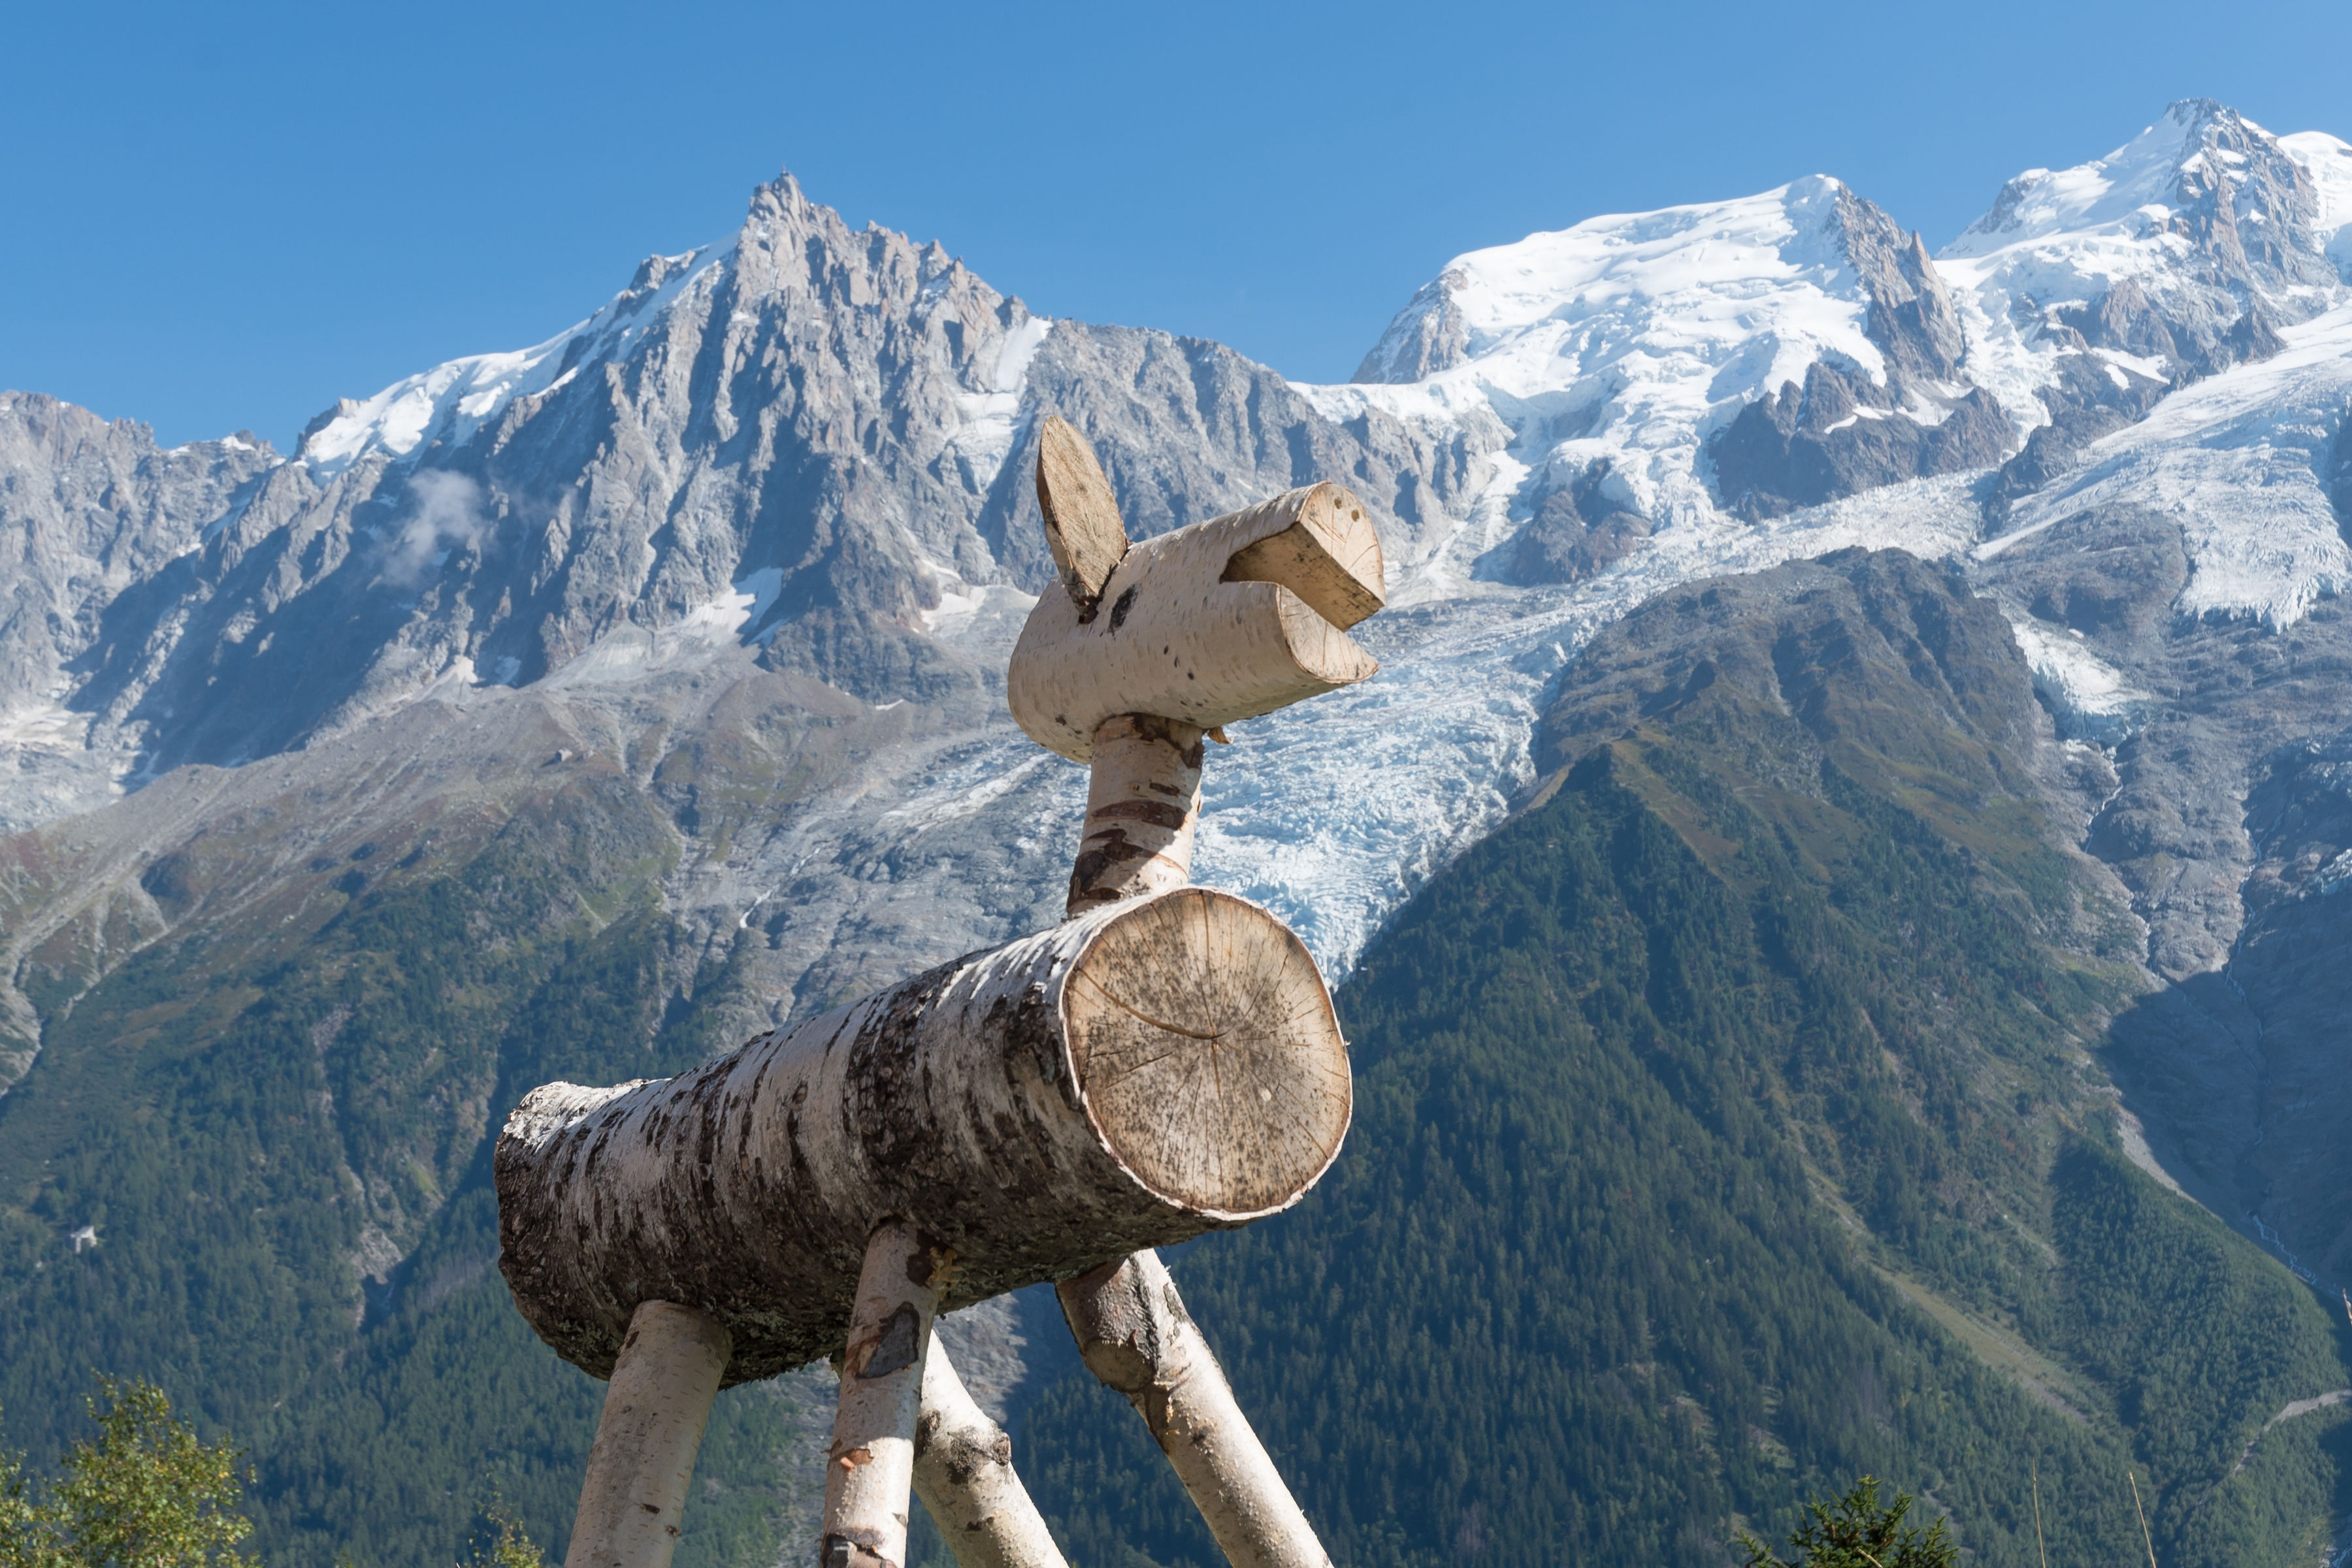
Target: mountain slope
(1724,1132)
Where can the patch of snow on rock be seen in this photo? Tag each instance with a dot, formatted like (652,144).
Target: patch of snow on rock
(991,418)
(2090,698)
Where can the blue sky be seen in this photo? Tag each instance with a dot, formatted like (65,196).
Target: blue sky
(226,217)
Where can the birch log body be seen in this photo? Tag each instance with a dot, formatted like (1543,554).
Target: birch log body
(1212,624)
(1160,1067)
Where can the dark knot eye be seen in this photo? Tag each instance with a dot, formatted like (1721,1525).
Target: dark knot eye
(1126,603)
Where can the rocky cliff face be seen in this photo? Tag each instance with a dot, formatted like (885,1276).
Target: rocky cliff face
(803,412)
(1842,431)
(94,510)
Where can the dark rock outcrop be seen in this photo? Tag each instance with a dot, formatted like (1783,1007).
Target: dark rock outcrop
(1845,431)
(1575,532)
(1837,435)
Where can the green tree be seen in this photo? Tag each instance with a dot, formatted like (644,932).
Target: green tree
(1857,1531)
(21,1542)
(147,1494)
(513,1548)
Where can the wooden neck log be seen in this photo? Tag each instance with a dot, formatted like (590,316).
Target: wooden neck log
(1159,1068)
(1143,803)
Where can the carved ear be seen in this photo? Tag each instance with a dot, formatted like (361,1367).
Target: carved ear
(1082,523)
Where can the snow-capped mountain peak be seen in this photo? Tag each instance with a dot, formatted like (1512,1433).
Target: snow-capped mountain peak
(2203,193)
(448,403)
(1621,350)
(1675,285)
(2089,293)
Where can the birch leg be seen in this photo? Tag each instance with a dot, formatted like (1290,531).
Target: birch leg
(872,1462)
(663,1382)
(963,1473)
(1134,1335)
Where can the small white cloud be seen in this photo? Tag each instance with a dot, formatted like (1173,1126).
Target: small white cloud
(448,515)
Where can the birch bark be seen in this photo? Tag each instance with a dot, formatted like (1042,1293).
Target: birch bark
(871,1465)
(1134,1335)
(1159,1068)
(963,1473)
(1143,805)
(1212,624)
(632,1501)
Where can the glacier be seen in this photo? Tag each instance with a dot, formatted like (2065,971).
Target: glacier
(2240,463)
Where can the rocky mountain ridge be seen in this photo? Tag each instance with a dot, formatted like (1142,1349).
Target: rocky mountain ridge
(799,440)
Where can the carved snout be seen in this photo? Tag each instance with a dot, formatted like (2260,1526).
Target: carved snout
(1223,621)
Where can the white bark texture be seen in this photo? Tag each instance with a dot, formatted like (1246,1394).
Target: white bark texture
(1083,529)
(1143,805)
(963,1473)
(664,1378)
(1163,1066)
(1212,624)
(1134,1335)
(871,1465)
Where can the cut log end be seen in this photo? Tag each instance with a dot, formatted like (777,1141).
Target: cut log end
(1220,1083)
(1329,556)
(1083,529)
